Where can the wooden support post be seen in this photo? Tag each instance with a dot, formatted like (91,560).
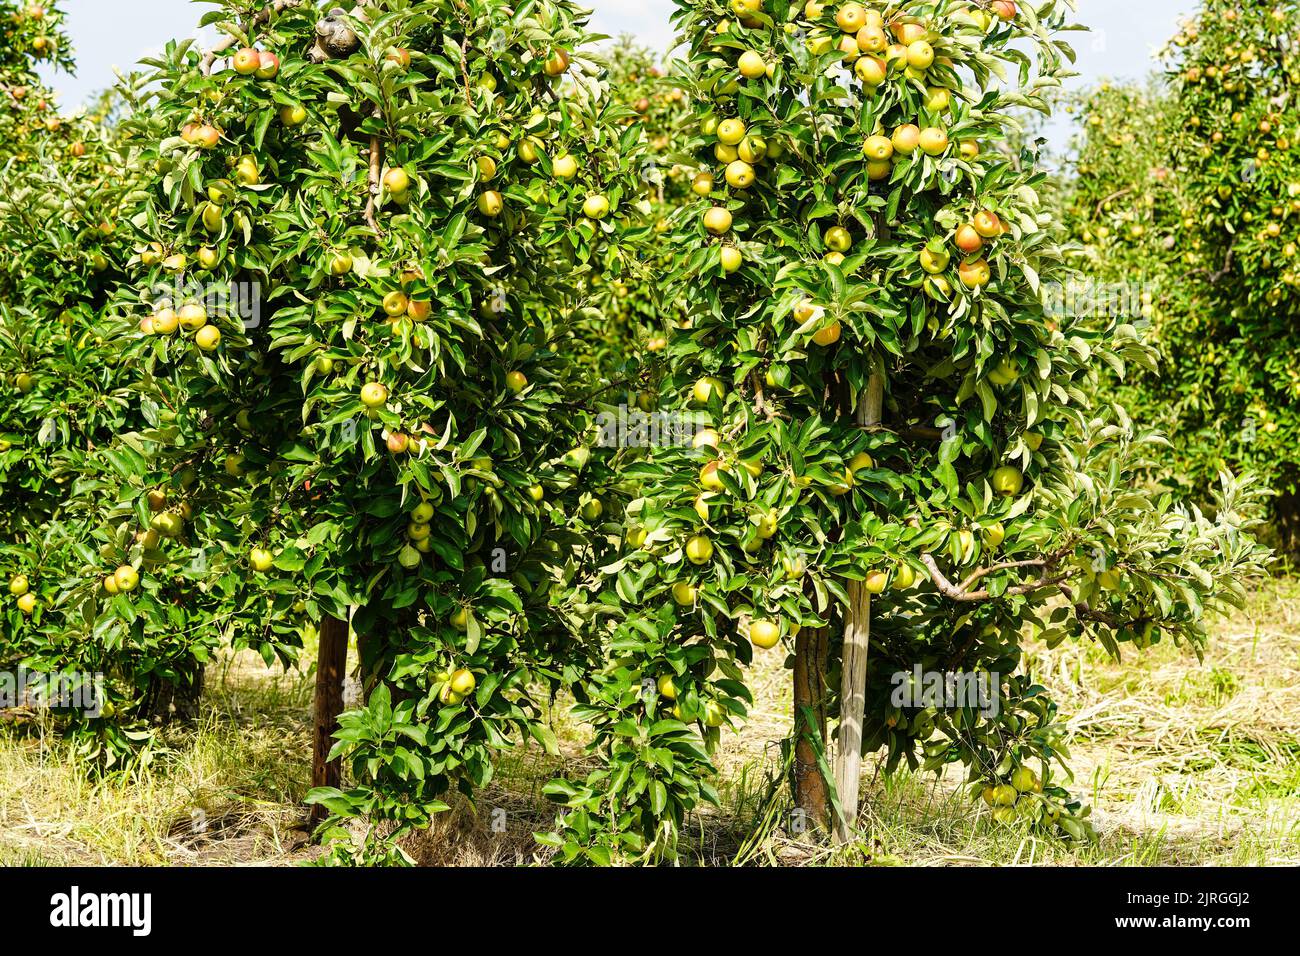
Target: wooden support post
(331,665)
(857,642)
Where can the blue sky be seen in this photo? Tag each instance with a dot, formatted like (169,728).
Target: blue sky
(116,33)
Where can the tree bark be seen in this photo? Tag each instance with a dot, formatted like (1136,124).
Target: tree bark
(853,680)
(331,665)
(811,797)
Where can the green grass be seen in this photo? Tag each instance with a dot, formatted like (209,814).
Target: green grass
(1184,763)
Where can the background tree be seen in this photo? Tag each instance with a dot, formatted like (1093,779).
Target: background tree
(1188,193)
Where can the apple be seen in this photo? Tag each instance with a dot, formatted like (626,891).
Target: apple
(975,274)
(126,578)
(595,207)
(919,53)
(666,687)
(1008,480)
(876,582)
(592,510)
(730,258)
(764,634)
(993,535)
(714,716)
(838,239)
(27,604)
(373,394)
(206,137)
(969,149)
(1004,9)
(878,147)
(246,171)
(860,462)
(717,220)
(208,338)
(398,443)
(987,224)
(768,524)
(871,70)
(1033,440)
(341,265)
(739,174)
(294,115)
(705,388)
(872,39)
(462,682)
(208,257)
(851,17)
(937,99)
(751,65)
(934,262)
(192,317)
(395,304)
(516,381)
(968,240)
(1026,781)
(933,141)
(904,577)
(268,66)
(565,166)
(707,438)
(557,63)
(397,181)
(804,310)
(702,184)
(906,138)
(19,585)
(699,549)
(247,61)
(1004,373)
(490,203)
(398,56)
(260,560)
(709,476)
(731,132)
(576,458)
(827,335)
(212,218)
(78,150)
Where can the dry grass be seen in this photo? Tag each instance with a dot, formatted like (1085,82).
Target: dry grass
(1184,763)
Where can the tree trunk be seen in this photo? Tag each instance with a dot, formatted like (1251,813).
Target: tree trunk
(331,665)
(853,681)
(174,699)
(1286,523)
(811,797)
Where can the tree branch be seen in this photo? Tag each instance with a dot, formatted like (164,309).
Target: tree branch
(951,591)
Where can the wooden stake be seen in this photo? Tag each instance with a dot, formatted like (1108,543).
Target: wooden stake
(331,664)
(857,642)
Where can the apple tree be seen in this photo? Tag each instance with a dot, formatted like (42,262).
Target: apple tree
(1192,191)
(360,270)
(898,447)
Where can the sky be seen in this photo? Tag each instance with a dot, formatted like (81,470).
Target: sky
(117,33)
